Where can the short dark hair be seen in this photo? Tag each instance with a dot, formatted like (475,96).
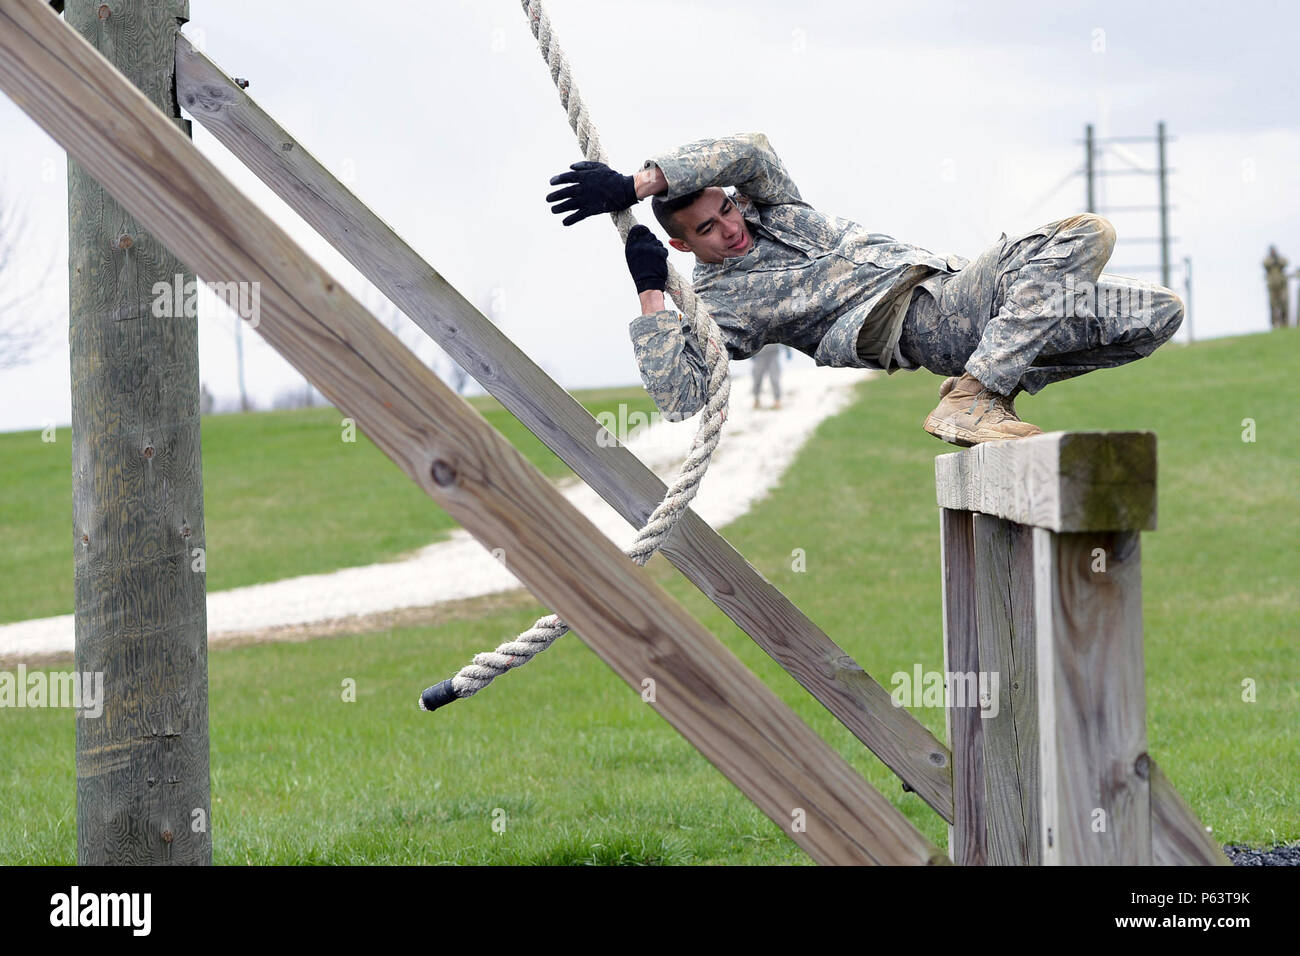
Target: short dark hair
(665,209)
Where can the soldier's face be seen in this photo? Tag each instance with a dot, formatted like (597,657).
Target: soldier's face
(714,228)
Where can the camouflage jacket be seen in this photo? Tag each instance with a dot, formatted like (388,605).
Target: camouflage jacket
(823,285)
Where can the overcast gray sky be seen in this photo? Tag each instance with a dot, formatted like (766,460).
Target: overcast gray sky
(940,123)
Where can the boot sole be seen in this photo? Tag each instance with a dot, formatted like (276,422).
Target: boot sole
(950,433)
(955,435)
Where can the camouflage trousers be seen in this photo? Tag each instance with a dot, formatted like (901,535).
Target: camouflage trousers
(767,365)
(1036,309)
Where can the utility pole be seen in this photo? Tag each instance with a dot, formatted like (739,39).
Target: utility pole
(239,362)
(1164,205)
(1095,146)
(1187,296)
(137,495)
(1089,153)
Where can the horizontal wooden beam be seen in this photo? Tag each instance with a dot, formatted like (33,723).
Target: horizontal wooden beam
(828,673)
(449,449)
(1061,481)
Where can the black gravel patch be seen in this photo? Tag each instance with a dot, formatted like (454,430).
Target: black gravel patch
(1276,856)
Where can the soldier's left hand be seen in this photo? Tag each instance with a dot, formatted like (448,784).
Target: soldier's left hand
(647,259)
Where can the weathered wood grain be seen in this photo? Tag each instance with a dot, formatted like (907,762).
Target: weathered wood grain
(966,834)
(713,565)
(1066,775)
(1096,795)
(1006,617)
(1061,481)
(448,449)
(1004,612)
(137,500)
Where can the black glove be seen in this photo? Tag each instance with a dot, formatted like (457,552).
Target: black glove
(647,259)
(596,188)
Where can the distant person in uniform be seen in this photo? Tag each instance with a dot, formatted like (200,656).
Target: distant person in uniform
(1275,276)
(767,364)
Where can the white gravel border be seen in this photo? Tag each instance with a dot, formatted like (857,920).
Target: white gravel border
(756,449)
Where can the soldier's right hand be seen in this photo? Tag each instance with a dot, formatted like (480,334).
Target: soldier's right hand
(596,188)
(647,259)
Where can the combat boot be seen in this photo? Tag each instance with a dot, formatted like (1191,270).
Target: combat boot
(968,413)
(951,380)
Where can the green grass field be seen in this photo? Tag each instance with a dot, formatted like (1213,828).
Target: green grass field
(583,770)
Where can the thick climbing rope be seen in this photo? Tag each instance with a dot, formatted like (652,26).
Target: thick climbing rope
(545,631)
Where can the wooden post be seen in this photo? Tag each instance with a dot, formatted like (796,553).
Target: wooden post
(966,843)
(1004,614)
(141,618)
(1096,791)
(1060,768)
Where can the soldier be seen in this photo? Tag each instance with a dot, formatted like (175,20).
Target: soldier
(1028,311)
(767,365)
(1275,276)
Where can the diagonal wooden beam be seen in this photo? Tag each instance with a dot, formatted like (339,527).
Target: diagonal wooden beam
(447,448)
(1178,838)
(714,566)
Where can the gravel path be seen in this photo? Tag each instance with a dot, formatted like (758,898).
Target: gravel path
(1275,856)
(756,449)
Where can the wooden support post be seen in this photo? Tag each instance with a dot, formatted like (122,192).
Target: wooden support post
(141,618)
(450,451)
(1004,598)
(720,572)
(966,843)
(1096,795)
(1053,567)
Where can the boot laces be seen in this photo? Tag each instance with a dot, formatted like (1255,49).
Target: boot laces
(994,400)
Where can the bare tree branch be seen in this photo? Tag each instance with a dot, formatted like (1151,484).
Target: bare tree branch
(414,338)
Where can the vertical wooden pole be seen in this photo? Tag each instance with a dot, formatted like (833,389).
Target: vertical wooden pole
(1078,602)
(141,620)
(966,835)
(1092,702)
(1004,613)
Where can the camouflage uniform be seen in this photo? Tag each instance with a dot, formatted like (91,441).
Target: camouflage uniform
(1275,276)
(834,291)
(1037,309)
